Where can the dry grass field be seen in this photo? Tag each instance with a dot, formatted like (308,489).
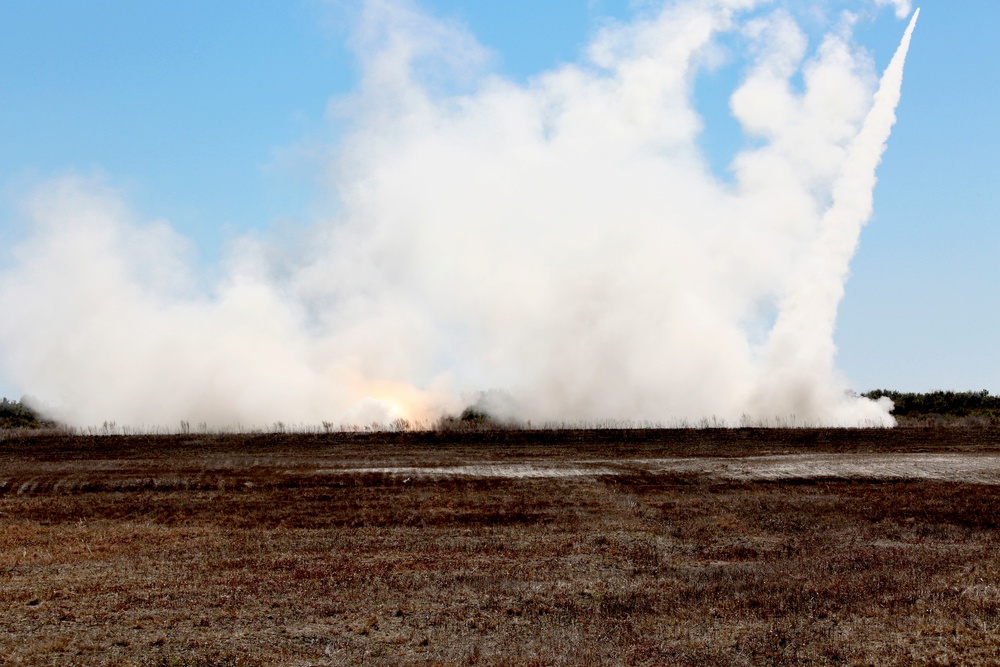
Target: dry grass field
(501,548)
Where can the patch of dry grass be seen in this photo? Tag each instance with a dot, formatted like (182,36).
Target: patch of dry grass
(161,551)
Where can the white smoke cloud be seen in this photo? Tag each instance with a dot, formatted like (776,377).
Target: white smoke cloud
(564,240)
(902,7)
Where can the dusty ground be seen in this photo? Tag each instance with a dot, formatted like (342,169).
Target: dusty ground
(739,547)
(978,468)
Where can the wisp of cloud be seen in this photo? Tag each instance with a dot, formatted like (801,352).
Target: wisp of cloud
(564,240)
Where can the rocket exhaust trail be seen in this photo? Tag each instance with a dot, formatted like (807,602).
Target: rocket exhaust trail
(801,342)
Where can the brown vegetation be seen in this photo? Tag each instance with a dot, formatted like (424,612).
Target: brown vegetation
(261,550)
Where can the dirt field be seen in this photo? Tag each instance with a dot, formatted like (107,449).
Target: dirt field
(691,547)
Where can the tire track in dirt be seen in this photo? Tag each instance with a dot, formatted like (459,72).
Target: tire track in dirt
(488,471)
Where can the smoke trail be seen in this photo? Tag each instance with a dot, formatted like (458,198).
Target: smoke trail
(564,240)
(801,343)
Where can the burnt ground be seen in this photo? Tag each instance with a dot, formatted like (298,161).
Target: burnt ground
(599,547)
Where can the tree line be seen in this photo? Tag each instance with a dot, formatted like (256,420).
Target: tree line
(943,403)
(17,414)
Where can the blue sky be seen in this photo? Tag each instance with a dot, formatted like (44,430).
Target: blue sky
(202,114)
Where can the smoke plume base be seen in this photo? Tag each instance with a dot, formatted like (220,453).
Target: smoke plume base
(563,239)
